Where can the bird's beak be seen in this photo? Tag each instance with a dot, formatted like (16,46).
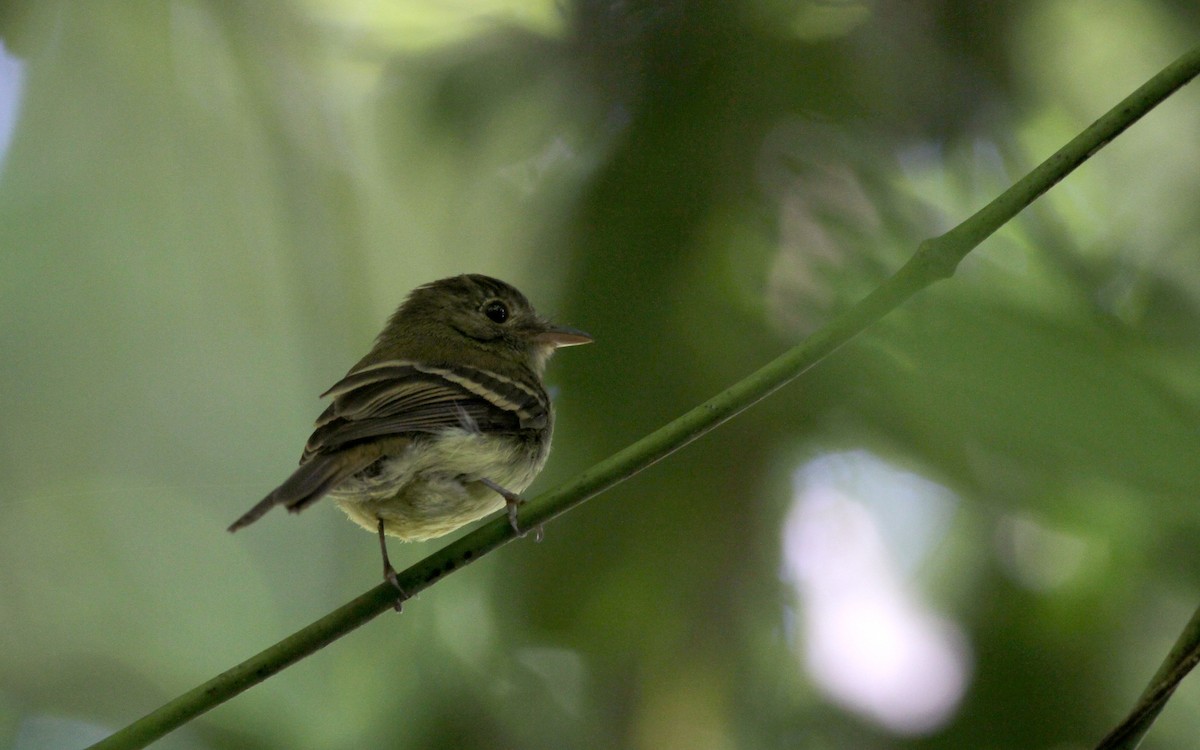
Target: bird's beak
(560,336)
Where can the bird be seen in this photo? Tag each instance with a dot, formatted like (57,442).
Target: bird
(444,421)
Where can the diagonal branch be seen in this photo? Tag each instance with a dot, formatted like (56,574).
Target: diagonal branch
(1184,656)
(935,259)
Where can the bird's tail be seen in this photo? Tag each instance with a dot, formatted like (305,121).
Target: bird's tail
(308,484)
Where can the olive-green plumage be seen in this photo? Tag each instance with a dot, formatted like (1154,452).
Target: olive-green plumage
(442,422)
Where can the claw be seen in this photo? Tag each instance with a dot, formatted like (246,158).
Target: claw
(511,501)
(511,508)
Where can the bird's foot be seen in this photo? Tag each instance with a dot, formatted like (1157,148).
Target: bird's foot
(511,501)
(389,573)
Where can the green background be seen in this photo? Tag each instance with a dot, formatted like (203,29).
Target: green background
(973,527)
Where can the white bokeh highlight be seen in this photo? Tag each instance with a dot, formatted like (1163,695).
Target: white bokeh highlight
(857,529)
(12,86)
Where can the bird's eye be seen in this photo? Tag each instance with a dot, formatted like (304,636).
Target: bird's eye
(496,311)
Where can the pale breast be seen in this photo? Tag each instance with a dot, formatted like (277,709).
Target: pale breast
(432,488)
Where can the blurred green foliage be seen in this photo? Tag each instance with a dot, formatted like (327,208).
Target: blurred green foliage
(207,210)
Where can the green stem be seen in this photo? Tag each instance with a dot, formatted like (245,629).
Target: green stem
(935,259)
(1184,656)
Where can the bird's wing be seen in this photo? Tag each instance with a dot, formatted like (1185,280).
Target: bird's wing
(401,396)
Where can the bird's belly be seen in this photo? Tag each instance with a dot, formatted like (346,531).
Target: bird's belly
(433,487)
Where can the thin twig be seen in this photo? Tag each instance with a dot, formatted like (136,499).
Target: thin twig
(1184,656)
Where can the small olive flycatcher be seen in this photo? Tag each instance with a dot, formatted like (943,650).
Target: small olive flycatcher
(443,422)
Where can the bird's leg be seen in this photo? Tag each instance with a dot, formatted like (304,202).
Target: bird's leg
(511,501)
(389,573)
